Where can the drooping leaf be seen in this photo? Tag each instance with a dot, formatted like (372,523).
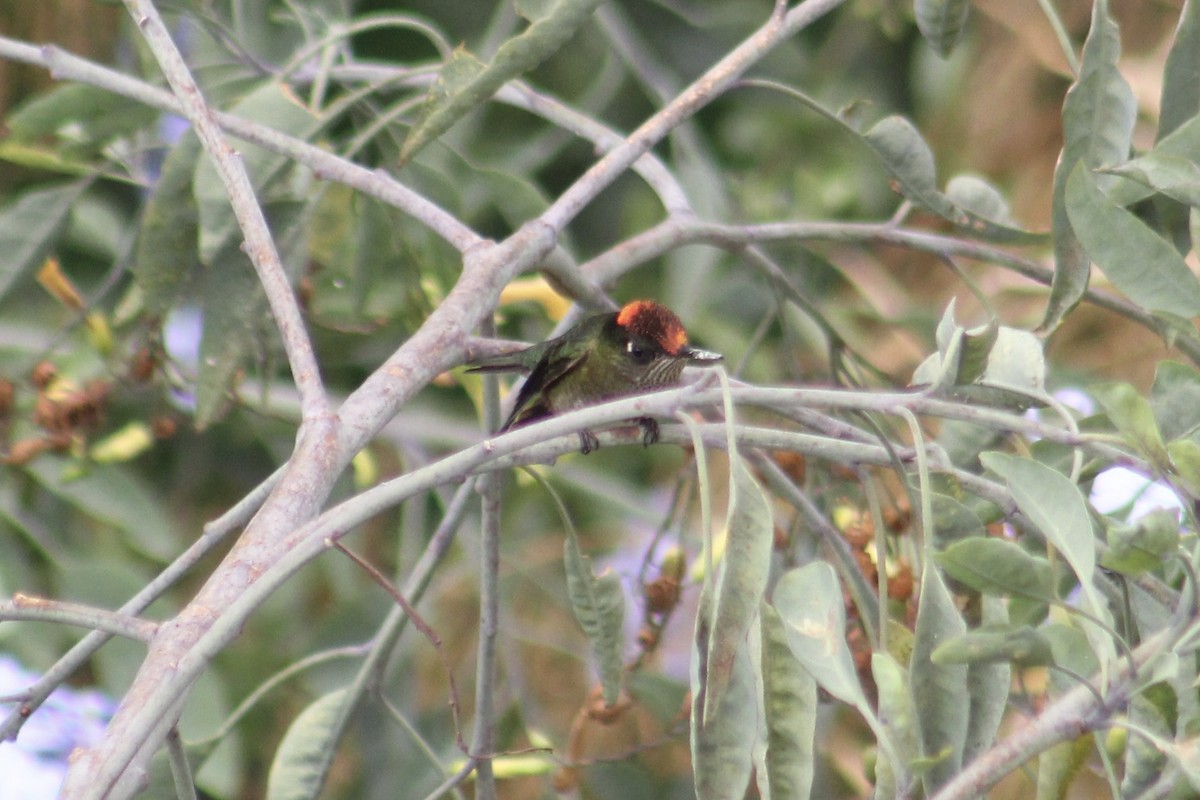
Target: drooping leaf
(988,686)
(1098,116)
(898,714)
(790,706)
(1147,268)
(1181,76)
(723,731)
(942,22)
(939,690)
(997,566)
(302,760)
(469,86)
(599,606)
(742,577)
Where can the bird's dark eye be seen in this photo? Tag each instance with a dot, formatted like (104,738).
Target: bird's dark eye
(639,354)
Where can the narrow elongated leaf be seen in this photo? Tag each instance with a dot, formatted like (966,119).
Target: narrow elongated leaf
(1175,176)
(166,254)
(1147,268)
(939,690)
(599,605)
(998,567)
(988,685)
(898,714)
(790,706)
(82,118)
(1098,116)
(1181,77)
(29,228)
(993,644)
(302,760)
(515,57)
(742,578)
(942,22)
(723,731)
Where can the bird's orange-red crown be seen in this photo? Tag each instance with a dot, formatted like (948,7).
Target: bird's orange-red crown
(659,324)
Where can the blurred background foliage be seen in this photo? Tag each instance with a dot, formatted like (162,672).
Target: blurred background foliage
(127,367)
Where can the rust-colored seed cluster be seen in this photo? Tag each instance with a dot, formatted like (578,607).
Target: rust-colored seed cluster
(62,411)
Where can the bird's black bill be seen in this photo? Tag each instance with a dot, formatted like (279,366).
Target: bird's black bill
(702,358)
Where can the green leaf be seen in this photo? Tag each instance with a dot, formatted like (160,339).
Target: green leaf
(1185,463)
(1134,549)
(468,86)
(1017,644)
(1181,76)
(790,706)
(723,731)
(953,521)
(166,255)
(907,156)
(599,605)
(1172,175)
(30,227)
(942,22)
(742,578)
(117,496)
(235,310)
(1134,418)
(1140,263)
(809,602)
(991,364)
(976,196)
(988,685)
(302,760)
(271,104)
(1144,761)
(1098,116)
(997,567)
(939,690)
(1058,765)
(79,117)
(898,714)
(1058,509)
(1175,398)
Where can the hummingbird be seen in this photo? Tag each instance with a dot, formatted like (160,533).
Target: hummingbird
(640,348)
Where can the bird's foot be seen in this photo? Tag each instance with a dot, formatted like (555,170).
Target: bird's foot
(649,428)
(588,442)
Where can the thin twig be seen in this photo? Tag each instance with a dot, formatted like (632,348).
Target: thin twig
(421,625)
